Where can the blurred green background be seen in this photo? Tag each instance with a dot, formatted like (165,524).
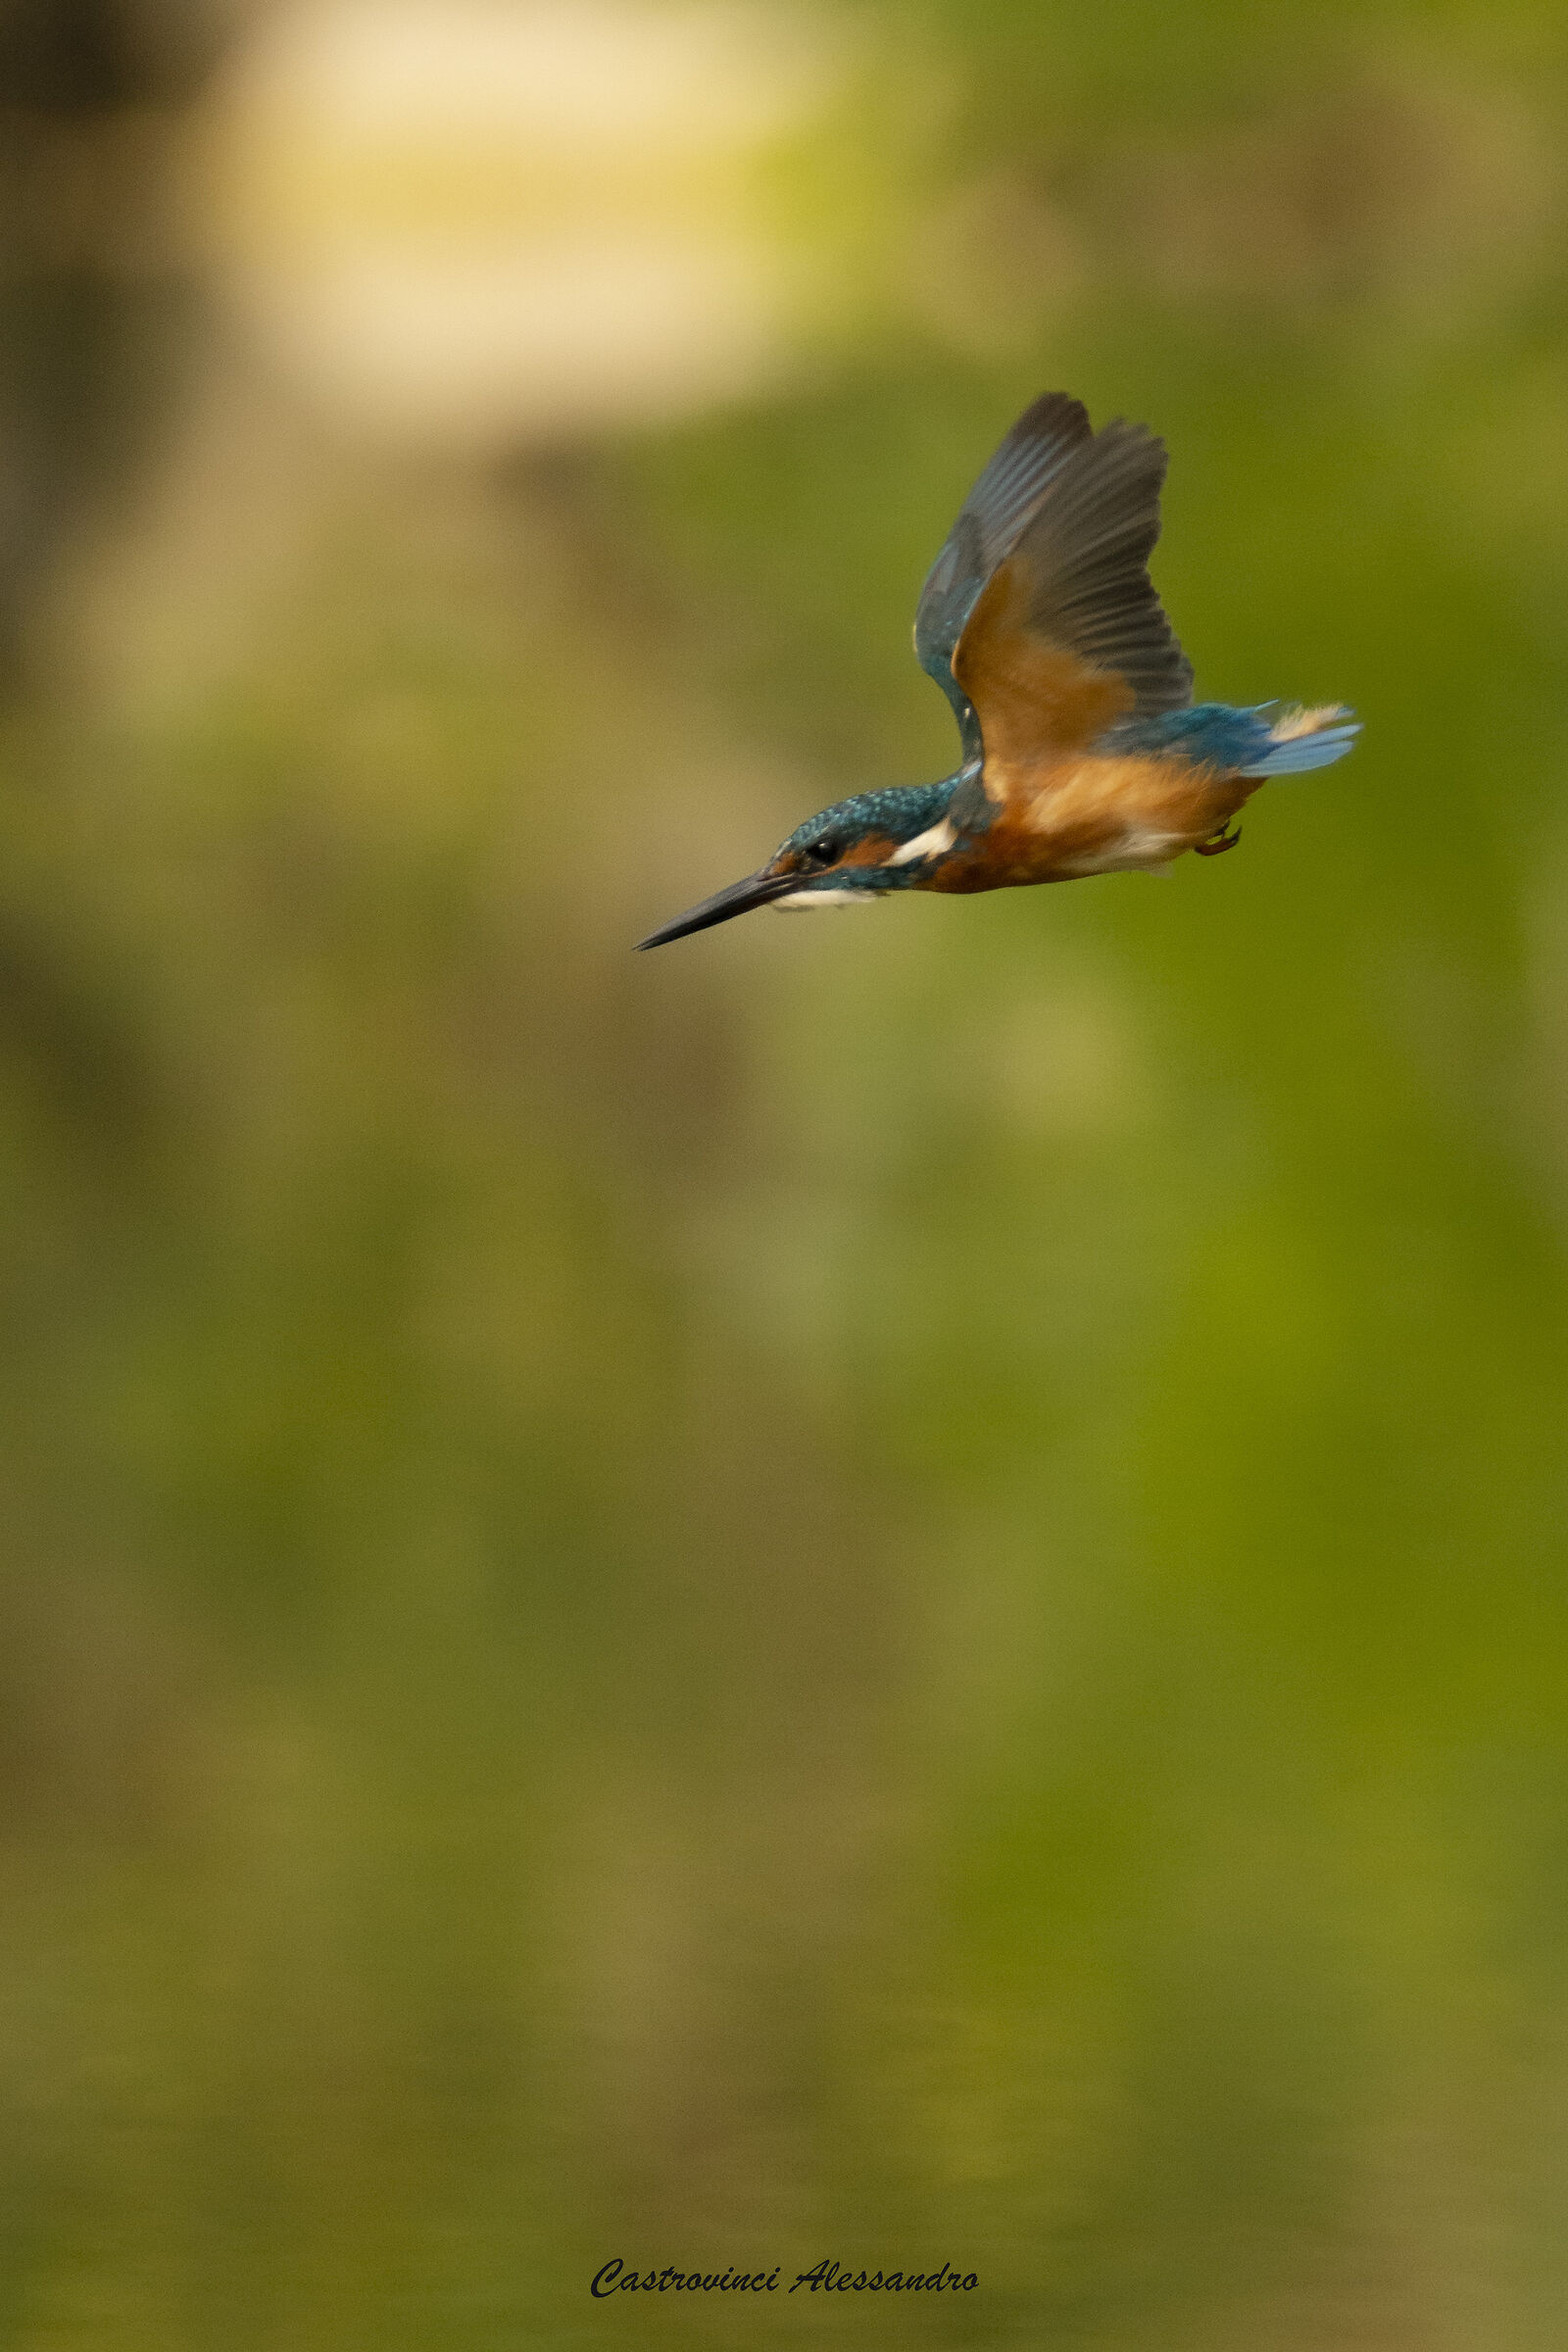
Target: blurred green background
(890,1590)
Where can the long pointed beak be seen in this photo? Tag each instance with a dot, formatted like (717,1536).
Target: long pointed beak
(755,891)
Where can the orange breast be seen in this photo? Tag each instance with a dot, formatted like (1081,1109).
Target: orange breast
(1078,815)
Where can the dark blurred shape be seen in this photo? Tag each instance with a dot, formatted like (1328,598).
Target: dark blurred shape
(83,57)
(95,321)
(67,57)
(89,274)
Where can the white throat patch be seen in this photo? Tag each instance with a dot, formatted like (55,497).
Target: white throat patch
(801,902)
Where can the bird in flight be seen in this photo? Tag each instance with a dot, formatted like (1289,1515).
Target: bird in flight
(1082,750)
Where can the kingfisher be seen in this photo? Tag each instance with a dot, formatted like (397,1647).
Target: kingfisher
(1082,750)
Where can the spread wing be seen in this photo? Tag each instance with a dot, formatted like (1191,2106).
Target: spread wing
(1039,618)
(988,525)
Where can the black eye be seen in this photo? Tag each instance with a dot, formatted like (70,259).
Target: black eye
(821,853)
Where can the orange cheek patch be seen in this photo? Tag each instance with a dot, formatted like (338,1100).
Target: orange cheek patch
(875,850)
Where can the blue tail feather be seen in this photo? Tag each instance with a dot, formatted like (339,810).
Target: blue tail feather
(1302,753)
(1240,742)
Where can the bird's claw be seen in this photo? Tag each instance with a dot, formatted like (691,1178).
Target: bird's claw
(1218,842)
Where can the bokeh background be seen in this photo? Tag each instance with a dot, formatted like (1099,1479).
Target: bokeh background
(890,1590)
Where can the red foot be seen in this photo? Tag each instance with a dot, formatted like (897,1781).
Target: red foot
(1218,842)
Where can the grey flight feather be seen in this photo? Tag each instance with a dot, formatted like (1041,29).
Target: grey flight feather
(1084,554)
(1080,510)
(989,526)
